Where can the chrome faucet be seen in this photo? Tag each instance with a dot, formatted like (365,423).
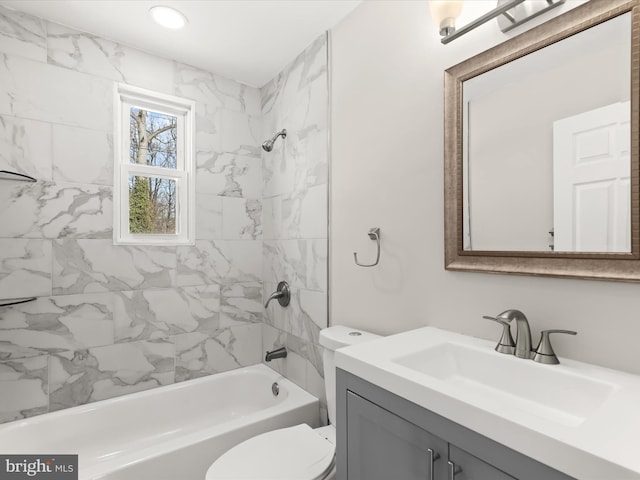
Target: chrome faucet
(523,332)
(522,348)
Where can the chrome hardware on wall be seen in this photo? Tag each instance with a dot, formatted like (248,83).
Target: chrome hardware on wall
(7,175)
(515,13)
(16,301)
(282,294)
(278,353)
(374,234)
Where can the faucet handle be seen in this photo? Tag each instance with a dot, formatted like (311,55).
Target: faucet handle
(282,293)
(544,352)
(506,343)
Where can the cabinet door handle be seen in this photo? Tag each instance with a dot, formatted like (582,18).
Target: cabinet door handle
(453,470)
(433,456)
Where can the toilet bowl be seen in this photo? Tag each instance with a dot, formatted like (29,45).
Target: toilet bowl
(299,452)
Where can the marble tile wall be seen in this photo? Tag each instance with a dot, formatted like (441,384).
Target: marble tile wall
(295,214)
(111,320)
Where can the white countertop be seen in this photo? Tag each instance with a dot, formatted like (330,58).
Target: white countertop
(604,445)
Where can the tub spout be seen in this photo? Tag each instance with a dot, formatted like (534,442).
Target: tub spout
(279,353)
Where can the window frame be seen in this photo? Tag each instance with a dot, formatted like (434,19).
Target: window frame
(127,97)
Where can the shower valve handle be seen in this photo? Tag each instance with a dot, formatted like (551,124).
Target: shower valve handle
(283,295)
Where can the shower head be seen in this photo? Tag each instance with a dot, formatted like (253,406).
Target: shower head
(267,146)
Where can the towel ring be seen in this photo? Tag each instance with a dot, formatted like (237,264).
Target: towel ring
(374,234)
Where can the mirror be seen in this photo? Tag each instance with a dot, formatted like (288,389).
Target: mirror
(547,147)
(541,157)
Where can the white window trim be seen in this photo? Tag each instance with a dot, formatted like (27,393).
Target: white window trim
(127,96)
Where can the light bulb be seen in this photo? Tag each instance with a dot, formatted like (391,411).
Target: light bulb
(444,14)
(168,17)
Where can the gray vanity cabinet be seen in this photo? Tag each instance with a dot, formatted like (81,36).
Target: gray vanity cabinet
(384,446)
(381,436)
(472,468)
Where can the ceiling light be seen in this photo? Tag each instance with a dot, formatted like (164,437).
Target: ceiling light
(168,17)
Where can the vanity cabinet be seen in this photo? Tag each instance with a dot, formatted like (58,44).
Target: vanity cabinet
(467,467)
(382,436)
(383,446)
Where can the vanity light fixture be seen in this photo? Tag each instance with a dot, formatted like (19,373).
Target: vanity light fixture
(510,14)
(444,14)
(167,17)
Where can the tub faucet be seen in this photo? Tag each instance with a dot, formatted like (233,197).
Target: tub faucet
(282,294)
(523,332)
(278,353)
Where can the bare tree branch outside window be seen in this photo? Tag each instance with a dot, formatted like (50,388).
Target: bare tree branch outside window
(152,200)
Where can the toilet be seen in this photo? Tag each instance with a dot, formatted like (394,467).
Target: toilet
(299,452)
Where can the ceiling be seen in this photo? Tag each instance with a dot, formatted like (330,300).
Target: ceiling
(249,41)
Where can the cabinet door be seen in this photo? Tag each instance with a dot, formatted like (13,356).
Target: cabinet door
(467,467)
(383,446)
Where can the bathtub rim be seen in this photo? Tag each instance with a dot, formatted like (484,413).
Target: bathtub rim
(88,407)
(97,467)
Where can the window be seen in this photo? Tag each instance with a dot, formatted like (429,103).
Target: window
(154,180)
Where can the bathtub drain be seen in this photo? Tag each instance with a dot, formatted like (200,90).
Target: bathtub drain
(275,389)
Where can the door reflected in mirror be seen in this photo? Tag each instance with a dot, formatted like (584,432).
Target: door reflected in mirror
(546,148)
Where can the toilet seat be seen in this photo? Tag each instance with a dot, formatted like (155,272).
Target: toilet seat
(294,453)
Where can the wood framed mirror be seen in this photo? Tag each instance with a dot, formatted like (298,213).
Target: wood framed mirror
(541,150)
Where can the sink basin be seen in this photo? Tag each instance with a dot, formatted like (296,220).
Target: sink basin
(578,418)
(510,383)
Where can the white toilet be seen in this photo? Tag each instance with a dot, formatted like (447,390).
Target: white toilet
(294,453)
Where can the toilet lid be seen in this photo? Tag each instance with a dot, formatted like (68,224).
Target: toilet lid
(293,453)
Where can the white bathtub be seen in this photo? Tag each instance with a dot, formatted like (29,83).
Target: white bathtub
(168,433)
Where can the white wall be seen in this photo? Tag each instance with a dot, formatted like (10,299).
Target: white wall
(387,171)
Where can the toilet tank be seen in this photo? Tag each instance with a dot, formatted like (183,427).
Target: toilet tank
(331,339)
